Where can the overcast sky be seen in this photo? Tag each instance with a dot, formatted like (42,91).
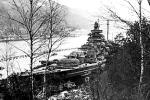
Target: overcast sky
(121,6)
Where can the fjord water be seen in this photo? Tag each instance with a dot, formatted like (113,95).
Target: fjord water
(18,62)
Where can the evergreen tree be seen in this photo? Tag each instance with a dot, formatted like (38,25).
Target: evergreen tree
(124,62)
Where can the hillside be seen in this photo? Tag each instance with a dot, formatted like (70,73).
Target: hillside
(78,18)
(75,17)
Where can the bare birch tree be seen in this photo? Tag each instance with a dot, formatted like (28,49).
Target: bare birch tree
(6,49)
(56,32)
(28,22)
(139,15)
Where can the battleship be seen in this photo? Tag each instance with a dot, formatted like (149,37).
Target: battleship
(76,67)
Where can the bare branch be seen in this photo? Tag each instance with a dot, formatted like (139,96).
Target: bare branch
(132,7)
(20,49)
(115,16)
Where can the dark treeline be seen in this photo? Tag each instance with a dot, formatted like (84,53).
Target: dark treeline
(123,63)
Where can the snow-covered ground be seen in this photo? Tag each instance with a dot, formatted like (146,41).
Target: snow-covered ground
(20,62)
